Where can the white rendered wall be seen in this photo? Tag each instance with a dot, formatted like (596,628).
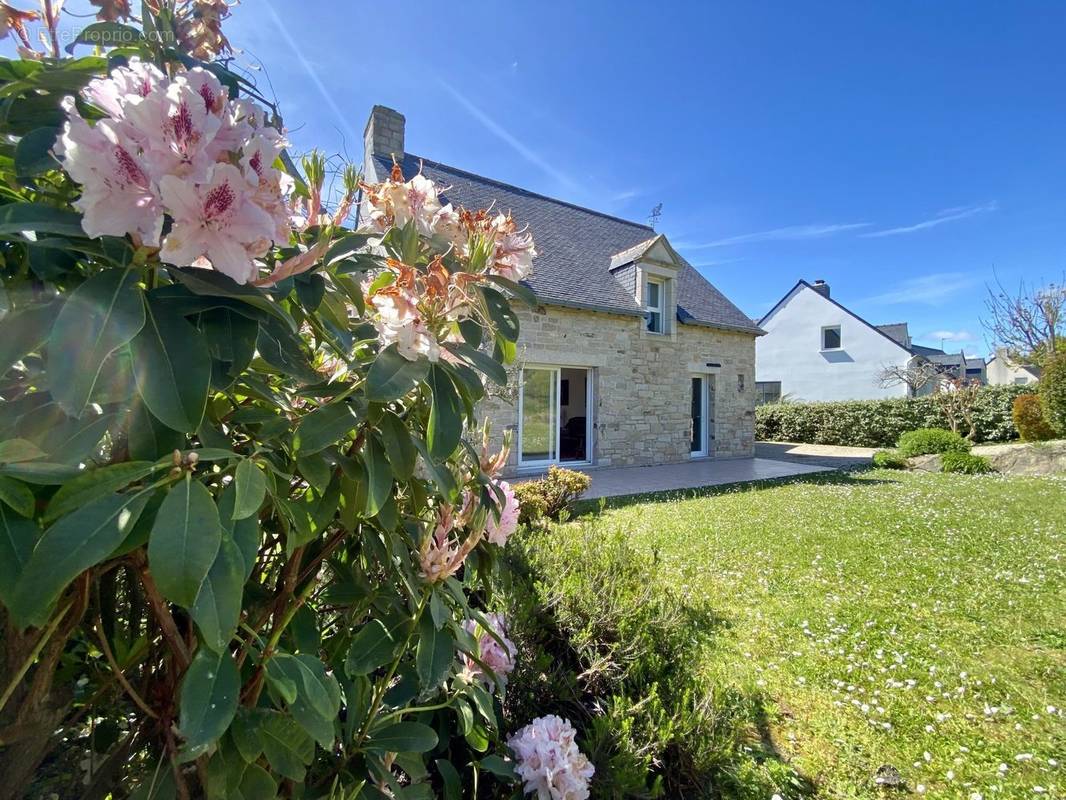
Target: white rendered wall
(791,352)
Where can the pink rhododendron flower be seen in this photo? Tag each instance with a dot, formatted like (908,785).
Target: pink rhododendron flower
(498,657)
(514,249)
(548,761)
(498,531)
(179,147)
(215,221)
(118,196)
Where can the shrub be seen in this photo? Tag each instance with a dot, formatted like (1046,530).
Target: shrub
(1053,392)
(889,459)
(241,525)
(1028,414)
(549,496)
(926,441)
(965,463)
(879,423)
(601,641)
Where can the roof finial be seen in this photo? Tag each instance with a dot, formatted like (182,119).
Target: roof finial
(656,212)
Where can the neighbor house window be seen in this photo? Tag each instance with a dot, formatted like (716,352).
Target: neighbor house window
(767,392)
(654,304)
(1021,381)
(831,338)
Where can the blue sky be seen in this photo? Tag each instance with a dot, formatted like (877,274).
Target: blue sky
(901,151)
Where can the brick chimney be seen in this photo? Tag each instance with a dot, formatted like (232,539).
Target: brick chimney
(383,136)
(822,288)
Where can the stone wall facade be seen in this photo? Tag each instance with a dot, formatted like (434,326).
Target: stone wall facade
(641,384)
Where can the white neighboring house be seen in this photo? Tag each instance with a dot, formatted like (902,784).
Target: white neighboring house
(816,349)
(1001,370)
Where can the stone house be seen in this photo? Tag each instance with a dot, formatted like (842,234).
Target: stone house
(630,357)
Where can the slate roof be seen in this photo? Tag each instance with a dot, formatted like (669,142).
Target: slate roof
(576,246)
(897,331)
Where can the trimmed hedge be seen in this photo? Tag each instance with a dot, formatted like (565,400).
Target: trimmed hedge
(926,441)
(1053,392)
(1029,419)
(880,423)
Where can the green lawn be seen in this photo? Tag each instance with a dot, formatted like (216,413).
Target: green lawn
(886,618)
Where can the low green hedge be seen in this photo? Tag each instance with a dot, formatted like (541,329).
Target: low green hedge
(965,463)
(926,441)
(880,423)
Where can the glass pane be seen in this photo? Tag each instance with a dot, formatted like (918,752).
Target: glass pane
(655,321)
(540,427)
(653,295)
(697,415)
(831,338)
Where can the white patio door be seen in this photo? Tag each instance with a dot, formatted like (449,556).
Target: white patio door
(538,416)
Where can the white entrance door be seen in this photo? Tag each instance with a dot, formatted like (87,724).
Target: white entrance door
(702,426)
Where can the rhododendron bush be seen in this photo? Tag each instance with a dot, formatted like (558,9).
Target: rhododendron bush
(249,524)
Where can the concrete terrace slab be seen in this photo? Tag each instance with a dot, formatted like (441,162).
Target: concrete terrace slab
(820,455)
(620,481)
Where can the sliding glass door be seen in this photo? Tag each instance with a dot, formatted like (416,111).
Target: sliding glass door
(538,410)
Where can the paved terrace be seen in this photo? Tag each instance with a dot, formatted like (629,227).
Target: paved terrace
(619,481)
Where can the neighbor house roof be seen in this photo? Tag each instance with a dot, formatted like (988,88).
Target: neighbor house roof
(890,331)
(577,247)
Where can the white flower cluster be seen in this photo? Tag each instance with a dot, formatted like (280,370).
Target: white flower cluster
(549,762)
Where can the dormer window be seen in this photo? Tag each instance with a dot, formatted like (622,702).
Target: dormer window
(654,302)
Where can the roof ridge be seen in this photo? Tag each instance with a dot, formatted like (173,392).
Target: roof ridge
(520,190)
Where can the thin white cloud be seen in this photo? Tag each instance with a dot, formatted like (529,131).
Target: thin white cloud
(950,336)
(500,132)
(283,32)
(941,217)
(625,194)
(932,290)
(789,233)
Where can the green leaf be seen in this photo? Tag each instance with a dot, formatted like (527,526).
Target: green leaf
(318,696)
(286,352)
(208,283)
(172,367)
(39,218)
(398,446)
(445,427)
(209,694)
(257,783)
(522,292)
(449,775)
(403,737)
(184,541)
(40,473)
(107,34)
(16,451)
(439,473)
(251,484)
(391,376)
(92,483)
(324,427)
(498,766)
(100,316)
(150,439)
(33,154)
(78,541)
(18,496)
(17,538)
(434,655)
(501,313)
(288,749)
(482,361)
(246,736)
(346,246)
(24,331)
(217,609)
(372,647)
(379,475)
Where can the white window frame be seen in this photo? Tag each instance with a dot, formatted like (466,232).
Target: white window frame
(557,370)
(660,309)
(840,338)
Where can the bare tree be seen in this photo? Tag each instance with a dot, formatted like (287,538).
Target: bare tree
(1031,324)
(955,399)
(915,375)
